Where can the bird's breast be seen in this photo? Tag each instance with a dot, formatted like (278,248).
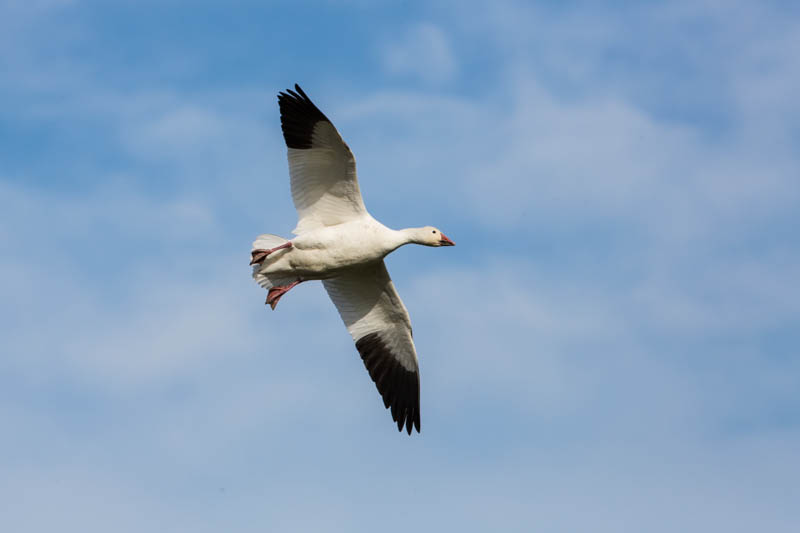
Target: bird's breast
(336,248)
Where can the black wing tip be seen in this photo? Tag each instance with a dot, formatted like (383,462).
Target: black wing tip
(298,117)
(297,94)
(398,386)
(300,91)
(410,422)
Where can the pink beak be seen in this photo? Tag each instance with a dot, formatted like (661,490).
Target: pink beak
(445,241)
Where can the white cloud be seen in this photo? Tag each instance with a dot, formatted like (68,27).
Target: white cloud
(424,52)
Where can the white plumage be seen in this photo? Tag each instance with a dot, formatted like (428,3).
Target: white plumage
(337,241)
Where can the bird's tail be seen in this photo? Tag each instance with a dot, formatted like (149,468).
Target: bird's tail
(268,241)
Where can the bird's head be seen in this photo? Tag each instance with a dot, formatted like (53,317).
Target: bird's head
(430,236)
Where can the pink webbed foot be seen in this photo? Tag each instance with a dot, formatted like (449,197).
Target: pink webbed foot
(258,256)
(275,293)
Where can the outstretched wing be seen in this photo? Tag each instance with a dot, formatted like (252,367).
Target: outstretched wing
(378,321)
(321,166)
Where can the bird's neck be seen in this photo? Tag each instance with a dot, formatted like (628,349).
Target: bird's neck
(408,236)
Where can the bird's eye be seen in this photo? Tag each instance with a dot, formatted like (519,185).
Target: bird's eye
(434,231)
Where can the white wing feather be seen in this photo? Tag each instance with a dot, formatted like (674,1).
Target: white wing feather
(378,321)
(324,182)
(368,303)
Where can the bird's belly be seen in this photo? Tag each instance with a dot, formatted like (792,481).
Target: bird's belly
(321,264)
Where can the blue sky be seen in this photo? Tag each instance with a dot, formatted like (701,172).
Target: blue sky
(613,345)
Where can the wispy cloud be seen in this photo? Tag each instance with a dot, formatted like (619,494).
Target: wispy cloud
(423,52)
(618,322)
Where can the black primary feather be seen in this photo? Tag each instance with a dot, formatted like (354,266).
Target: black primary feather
(398,387)
(299,115)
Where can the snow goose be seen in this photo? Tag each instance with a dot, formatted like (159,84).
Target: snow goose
(338,242)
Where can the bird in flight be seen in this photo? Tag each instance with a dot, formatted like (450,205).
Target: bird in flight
(337,241)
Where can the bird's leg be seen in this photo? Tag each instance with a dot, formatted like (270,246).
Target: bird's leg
(257,256)
(275,293)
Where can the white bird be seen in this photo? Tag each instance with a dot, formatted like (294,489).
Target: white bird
(337,241)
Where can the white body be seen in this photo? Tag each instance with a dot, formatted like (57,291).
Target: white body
(323,252)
